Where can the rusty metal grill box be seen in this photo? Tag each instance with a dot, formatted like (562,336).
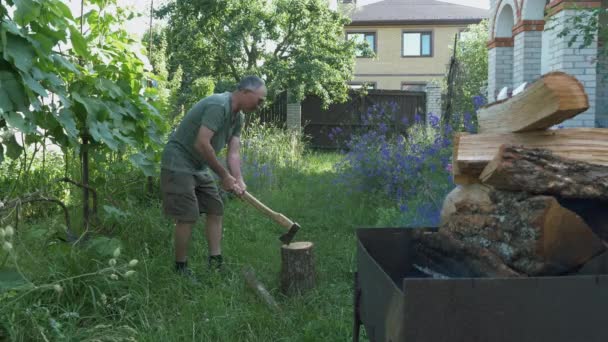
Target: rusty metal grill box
(394,303)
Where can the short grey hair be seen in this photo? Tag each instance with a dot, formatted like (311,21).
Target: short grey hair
(251,83)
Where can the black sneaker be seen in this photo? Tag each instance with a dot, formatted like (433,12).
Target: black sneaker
(215,262)
(187,273)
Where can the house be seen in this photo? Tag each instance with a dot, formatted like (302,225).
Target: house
(525,44)
(411,40)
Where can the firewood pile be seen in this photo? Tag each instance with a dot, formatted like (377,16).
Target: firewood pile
(531,200)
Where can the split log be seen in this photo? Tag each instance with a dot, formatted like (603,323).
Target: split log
(549,101)
(466,195)
(593,212)
(472,152)
(297,268)
(443,253)
(259,289)
(539,171)
(532,235)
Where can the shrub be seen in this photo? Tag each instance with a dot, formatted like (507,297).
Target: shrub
(410,167)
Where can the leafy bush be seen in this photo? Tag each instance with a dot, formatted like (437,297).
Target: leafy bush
(409,168)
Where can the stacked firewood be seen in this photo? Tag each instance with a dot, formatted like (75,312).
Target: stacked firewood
(530,200)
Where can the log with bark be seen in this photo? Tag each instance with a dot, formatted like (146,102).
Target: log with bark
(443,253)
(552,99)
(259,289)
(472,152)
(297,268)
(531,235)
(539,171)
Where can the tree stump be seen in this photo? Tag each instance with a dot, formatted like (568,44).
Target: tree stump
(297,268)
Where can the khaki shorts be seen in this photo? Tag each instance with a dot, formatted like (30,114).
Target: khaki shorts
(187,195)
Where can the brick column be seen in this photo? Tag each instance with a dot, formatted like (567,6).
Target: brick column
(500,66)
(527,51)
(601,114)
(580,63)
(433,99)
(294,116)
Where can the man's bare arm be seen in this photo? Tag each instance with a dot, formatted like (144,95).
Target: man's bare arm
(233,160)
(204,147)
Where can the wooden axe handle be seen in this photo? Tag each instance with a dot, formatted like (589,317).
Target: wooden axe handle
(277,217)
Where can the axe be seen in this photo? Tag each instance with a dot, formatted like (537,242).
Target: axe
(277,217)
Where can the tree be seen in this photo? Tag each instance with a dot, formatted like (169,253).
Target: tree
(470,78)
(92,94)
(295,45)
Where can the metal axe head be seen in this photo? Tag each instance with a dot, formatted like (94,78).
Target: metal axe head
(287,237)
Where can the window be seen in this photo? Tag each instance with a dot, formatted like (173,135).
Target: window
(360,85)
(417,44)
(361,38)
(413,86)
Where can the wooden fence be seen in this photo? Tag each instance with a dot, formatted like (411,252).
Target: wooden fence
(318,122)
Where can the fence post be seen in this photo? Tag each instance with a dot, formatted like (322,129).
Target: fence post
(433,99)
(294,114)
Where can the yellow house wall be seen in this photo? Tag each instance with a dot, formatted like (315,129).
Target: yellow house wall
(388,69)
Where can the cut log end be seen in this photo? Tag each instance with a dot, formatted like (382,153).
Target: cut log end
(298,245)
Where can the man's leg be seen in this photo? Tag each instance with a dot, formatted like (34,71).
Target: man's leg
(183,232)
(213,230)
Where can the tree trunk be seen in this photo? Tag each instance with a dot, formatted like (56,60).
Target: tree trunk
(85,182)
(297,268)
(539,171)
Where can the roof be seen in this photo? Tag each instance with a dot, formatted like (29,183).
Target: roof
(415,12)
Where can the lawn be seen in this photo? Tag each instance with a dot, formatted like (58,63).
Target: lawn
(156,305)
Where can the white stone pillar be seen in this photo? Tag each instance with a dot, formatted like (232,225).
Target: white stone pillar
(527,51)
(294,116)
(500,66)
(580,63)
(433,99)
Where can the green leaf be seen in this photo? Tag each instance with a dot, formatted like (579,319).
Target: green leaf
(33,84)
(15,120)
(62,9)
(5,100)
(91,105)
(67,121)
(64,63)
(104,85)
(11,279)
(115,212)
(145,164)
(11,27)
(100,131)
(104,246)
(27,10)
(13,149)
(20,52)
(78,43)
(1,153)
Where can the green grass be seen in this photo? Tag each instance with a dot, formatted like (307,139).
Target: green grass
(157,305)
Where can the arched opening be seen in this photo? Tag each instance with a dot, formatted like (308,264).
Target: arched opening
(534,9)
(505,22)
(502,54)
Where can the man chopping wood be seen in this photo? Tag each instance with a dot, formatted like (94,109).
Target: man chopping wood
(187,186)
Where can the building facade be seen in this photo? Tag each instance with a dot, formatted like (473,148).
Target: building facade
(525,44)
(411,41)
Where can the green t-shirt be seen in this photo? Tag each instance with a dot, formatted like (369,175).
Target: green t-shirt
(213,112)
